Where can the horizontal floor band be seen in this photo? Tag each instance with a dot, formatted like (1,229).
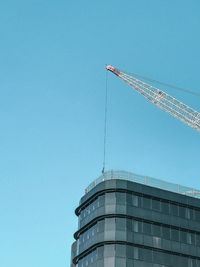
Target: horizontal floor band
(95,246)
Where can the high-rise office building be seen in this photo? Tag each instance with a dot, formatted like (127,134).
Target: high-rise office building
(128,220)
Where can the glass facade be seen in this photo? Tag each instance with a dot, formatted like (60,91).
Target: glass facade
(128,256)
(123,223)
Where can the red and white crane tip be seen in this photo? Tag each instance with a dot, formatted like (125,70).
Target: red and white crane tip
(113,70)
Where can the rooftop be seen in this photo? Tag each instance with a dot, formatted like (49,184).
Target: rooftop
(149,181)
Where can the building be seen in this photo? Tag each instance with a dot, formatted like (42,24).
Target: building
(127,220)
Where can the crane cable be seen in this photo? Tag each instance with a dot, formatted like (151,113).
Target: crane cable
(106,106)
(105,123)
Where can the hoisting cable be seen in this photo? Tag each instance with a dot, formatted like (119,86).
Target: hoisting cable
(105,123)
(167,84)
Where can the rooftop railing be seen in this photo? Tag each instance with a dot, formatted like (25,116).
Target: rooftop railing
(149,181)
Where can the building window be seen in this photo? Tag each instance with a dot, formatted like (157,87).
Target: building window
(174,210)
(197,215)
(110,199)
(156,204)
(156,230)
(192,214)
(198,240)
(147,228)
(110,224)
(136,253)
(121,251)
(165,207)
(166,233)
(184,237)
(135,200)
(157,242)
(121,224)
(175,235)
(135,226)
(120,198)
(145,255)
(109,250)
(182,212)
(146,203)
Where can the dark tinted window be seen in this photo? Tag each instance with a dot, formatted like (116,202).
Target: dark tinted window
(174,210)
(145,254)
(175,235)
(121,198)
(182,212)
(197,215)
(198,240)
(166,232)
(120,250)
(156,230)
(135,200)
(120,223)
(191,214)
(110,198)
(165,207)
(156,204)
(147,228)
(183,237)
(146,203)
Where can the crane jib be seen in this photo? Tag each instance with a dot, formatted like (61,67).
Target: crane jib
(161,99)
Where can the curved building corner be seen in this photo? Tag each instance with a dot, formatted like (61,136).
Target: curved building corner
(127,220)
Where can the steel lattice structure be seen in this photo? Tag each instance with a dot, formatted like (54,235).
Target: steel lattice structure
(161,99)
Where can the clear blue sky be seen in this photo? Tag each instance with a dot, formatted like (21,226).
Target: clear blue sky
(52,88)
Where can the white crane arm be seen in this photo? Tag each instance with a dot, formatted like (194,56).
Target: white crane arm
(161,99)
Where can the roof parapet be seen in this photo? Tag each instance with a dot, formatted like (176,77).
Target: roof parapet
(145,180)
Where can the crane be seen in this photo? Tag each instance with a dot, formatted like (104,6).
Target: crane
(161,99)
